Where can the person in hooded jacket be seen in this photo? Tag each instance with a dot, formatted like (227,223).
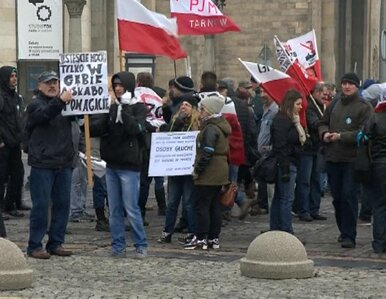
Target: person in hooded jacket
(122,132)
(211,171)
(11,132)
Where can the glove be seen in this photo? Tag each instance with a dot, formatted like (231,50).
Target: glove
(361,138)
(285,173)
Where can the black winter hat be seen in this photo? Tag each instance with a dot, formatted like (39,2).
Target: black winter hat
(191,99)
(352,78)
(184,84)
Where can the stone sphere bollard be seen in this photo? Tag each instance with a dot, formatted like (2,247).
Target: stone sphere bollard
(276,255)
(14,274)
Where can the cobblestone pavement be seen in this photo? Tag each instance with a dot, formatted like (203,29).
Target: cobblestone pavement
(171,272)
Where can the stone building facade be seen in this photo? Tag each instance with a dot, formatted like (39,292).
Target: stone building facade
(348,34)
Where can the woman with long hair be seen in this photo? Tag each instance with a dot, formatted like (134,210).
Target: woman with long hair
(287,135)
(187,118)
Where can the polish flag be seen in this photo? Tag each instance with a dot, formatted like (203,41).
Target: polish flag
(290,65)
(275,83)
(305,49)
(199,17)
(143,31)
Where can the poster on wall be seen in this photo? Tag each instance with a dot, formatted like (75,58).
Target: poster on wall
(39,29)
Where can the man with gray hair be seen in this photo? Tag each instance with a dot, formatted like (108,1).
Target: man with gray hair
(308,186)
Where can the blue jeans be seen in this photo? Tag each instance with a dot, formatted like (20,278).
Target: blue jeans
(179,187)
(345,200)
(280,216)
(123,192)
(308,188)
(49,185)
(99,192)
(78,189)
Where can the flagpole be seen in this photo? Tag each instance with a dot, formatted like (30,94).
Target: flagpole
(175,69)
(120,61)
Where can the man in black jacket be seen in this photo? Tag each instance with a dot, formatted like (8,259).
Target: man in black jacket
(338,128)
(11,166)
(50,154)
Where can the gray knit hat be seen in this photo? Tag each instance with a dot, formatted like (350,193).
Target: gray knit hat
(213,102)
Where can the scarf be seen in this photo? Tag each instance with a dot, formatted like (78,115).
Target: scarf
(300,129)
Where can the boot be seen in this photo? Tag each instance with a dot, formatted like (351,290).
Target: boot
(160,197)
(102,224)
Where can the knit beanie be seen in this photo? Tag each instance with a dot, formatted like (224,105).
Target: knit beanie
(213,103)
(184,84)
(192,100)
(352,78)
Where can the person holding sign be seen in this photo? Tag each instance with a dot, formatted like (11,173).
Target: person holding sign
(210,172)
(122,132)
(180,187)
(50,154)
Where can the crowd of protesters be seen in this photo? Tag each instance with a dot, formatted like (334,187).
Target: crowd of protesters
(238,124)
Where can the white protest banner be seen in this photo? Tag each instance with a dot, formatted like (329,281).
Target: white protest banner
(172,153)
(39,29)
(86,75)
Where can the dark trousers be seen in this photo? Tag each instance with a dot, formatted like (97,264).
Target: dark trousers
(207,208)
(378,203)
(345,199)
(49,185)
(262,194)
(12,174)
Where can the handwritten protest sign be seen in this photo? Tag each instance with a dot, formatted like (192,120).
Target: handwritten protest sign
(86,75)
(172,153)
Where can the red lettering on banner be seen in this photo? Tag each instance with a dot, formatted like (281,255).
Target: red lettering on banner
(206,5)
(193,3)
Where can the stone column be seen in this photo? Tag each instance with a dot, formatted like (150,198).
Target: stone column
(75,9)
(209,54)
(327,37)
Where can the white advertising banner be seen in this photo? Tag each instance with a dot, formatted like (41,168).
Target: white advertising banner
(86,75)
(39,29)
(172,153)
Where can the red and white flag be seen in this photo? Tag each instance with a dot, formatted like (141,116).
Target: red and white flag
(153,104)
(275,83)
(143,31)
(199,17)
(291,66)
(304,48)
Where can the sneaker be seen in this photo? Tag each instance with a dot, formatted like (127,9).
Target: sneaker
(214,243)
(305,218)
(186,239)
(102,226)
(118,254)
(81,217)
(318,217)
(197,244)
(165,238)
(140,253)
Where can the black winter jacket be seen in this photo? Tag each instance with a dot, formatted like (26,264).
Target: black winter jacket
(375,129)
(313,116)
(285,140)
(11,110)
(50,138)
